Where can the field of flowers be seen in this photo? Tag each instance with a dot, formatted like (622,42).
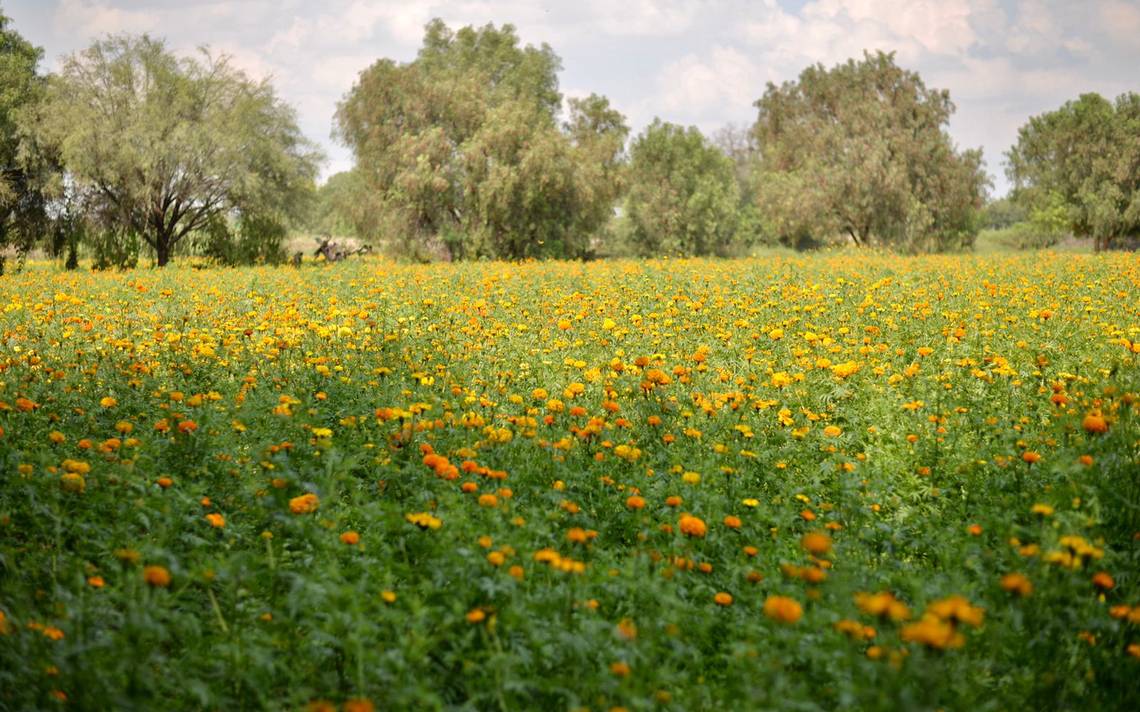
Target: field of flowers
(851,481)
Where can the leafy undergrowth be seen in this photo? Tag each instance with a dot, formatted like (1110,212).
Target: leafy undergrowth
(797,483)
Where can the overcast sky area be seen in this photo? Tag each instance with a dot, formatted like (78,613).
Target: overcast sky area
(701,62)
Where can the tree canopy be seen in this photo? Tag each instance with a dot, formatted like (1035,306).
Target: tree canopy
(22,197)
(683,196)
(1082,160)
(861,150)
(462,152)
(159,147)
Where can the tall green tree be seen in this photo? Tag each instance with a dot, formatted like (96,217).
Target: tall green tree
(1082,163)
(158,147)
(22,170)
(341,207)
(861,150)
(461,150)
(683,197)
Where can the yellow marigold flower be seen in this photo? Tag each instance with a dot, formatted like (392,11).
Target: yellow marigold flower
(108,402)
(620,669)
(72,482)
(932,632)
(882,604)
(956,608)
(424,520)
(1043,509)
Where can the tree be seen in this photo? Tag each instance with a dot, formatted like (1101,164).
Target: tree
(1083,162)
(341,207)
(461,151)
(682,196)
(159,147)
(861,150)
(23,217)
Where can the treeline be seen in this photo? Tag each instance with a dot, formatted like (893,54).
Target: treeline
(470,151)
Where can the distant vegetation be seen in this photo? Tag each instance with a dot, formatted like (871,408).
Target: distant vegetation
(470,151)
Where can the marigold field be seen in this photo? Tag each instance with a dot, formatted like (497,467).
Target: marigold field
(850,481)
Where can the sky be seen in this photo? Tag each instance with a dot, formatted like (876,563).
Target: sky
(693,62)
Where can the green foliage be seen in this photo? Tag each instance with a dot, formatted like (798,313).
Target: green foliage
(252,239)
(683,198)
(341,208)
(158,146)
(884,403)
(112,247)
(1001,213)
(460,152)
(1082,159)
(861,150)
(24,173)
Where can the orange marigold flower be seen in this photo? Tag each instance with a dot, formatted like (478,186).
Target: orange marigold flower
(305,504)
(1031,456)
(1017,583)
(723,599)
(216,520)
(187,426)
(350,538)
(1103,580)
(360,704)
(157,576)
(476,615)
(732,522)
(783,609)
(620,669)
(96,581)
(692,526)
(816,543)
(635,502)
(1094,423)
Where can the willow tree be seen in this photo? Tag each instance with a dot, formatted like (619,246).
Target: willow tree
(861,150)
(1082,159)
(159,146)
(462,152)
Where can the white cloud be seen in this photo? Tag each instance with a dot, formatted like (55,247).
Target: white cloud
(695,85)
(91,18)
(697,62)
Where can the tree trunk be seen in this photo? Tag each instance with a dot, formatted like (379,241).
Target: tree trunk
(162,249)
